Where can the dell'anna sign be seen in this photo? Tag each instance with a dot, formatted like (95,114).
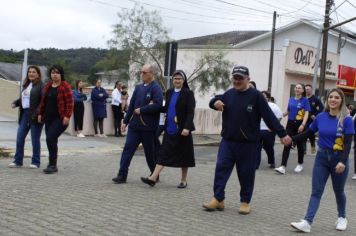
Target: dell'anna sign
(302,59)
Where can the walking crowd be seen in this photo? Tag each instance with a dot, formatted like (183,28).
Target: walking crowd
(250,122)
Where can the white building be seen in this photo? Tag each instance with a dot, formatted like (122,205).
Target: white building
(294,57)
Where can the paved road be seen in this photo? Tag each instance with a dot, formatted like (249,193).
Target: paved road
(82,200)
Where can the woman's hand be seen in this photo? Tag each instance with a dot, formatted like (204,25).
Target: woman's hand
(185,132)
(65,121)
(340,167)
(301,128)
(13,105)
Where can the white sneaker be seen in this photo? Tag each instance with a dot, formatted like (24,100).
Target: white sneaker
(281,170)
(80,135)
(298,168)
(354,177)
(14,165)
(341,224)
(103,136)
(97,135)
(302,226)
(32,166)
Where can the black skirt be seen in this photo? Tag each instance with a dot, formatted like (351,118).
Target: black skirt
(176,151)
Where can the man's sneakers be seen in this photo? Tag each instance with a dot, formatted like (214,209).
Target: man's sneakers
(298,168)
(302,226)
(214,204)
(341,224)
(245,208)
(281,170)
(354,177)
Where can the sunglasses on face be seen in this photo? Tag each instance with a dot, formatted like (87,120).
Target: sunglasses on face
(238,77)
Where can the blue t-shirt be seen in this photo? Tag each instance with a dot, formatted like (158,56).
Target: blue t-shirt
(297,108)
(172,127)
(331,134)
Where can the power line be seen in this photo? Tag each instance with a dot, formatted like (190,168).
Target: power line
(185,12)
(249,8)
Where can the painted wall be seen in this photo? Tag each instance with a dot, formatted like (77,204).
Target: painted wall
(9,92)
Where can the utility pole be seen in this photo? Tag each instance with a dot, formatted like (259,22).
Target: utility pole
(271,53)
(24,68)
(324,49)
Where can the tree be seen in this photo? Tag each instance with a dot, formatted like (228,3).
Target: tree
(211,70)
(140,32)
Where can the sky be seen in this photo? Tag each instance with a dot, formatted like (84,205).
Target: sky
(88,23)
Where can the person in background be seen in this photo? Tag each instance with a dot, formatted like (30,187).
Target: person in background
(335,130)
(351,109)
(79,98)
(116,105)
(28,103)
(124,99)
(268,136)
(316,106)
(177,146)
(242,108)
(55,111)
(142,119)
(98,98)
(354,175)
(298,113)
(252,84)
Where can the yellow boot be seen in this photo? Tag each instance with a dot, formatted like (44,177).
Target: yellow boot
(214,204)
(244,208)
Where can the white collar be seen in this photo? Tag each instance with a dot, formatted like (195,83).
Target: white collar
(177,90)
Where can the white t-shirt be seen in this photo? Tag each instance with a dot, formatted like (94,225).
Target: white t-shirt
(116,97)
(162,116)
(277,112)
(25,97)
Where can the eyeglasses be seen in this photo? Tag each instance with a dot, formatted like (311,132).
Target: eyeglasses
(238,77)
(144,72)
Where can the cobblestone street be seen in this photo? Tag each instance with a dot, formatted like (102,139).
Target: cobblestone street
(82,200)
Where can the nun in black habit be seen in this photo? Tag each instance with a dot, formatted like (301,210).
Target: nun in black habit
(177,145)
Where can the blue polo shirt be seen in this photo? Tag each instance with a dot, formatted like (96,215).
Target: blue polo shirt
(297,108)
(330,133)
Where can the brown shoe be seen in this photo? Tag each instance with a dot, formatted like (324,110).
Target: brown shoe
(213,205)
(244,208)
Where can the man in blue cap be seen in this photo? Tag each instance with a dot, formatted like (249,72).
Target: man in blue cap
(242,108)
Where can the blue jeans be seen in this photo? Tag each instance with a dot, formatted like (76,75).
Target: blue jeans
(324,165)
(241,155)
(22,131)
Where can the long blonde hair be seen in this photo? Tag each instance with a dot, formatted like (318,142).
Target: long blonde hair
(342,110)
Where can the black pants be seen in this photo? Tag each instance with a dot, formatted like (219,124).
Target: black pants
(78,115)
(267,143)
(53,130)
(118,115)
(101,125)
(292,129)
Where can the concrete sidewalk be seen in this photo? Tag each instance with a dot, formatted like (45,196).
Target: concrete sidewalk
(71,144)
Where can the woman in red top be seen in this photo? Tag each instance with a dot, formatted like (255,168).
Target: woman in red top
(55,111)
